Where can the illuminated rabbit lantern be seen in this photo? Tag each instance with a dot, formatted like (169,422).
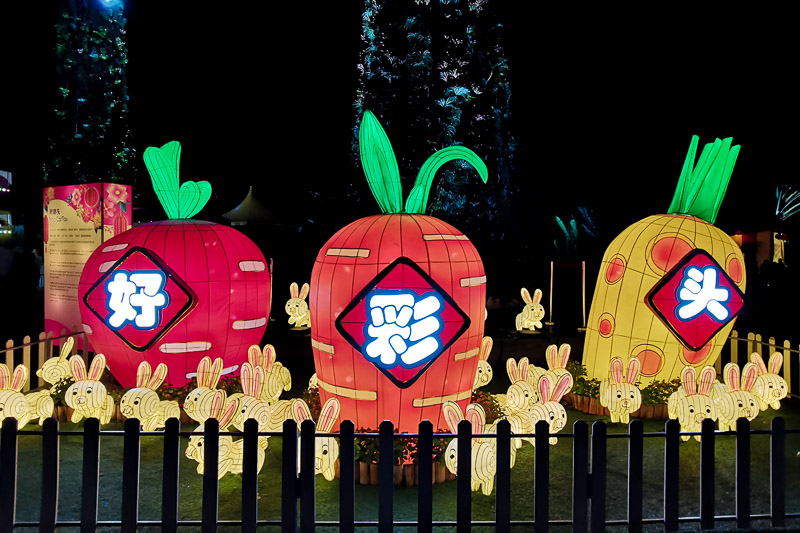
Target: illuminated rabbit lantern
(13,403)
(297,307)
(692,403)
(277,379)
(769,388)
(532,314)
(54,371)
(143,402)
(326,449)
(401,271)
(734,399)
(484,450)
(670,286)
(88,396)
(176,290)
(550,409)
(198,403)
(484,374)
(619,393)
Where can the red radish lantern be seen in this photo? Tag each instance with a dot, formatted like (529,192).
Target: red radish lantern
(176,290)
(398,301)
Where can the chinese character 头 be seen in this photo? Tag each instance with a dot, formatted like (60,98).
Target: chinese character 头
(402,328)
(136,298)
(698,293)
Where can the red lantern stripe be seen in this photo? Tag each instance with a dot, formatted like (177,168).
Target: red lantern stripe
(321,346)
(87,329)
(472,282)
(252,266)
(105,266)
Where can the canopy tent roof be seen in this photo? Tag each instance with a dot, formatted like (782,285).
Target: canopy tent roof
(250,210)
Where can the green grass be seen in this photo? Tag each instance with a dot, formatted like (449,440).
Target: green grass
(405,498)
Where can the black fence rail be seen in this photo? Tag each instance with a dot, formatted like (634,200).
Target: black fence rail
(298,505)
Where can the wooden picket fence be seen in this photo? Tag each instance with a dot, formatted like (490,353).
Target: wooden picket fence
(740,348)
(298,503)
(33,354)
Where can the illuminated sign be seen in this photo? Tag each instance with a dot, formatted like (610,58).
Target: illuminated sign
(696,299)
(402,321)
(140,298)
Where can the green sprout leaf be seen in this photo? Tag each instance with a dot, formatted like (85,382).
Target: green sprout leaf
(178,202)
(380,165)
(702,187)
(417,201)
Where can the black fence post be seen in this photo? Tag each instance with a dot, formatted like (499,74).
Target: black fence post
(170,476)
(503,485)
(386,477)
(130,476)
(707,475)
(464,478)
(425,477)
(250,476)
(743,473)
(90,479)
(541,477)
(8,474)
(580,476)
(635,474)
(289,484)
(777,472)
(672,466)
(48,511)
(210,510)
(598,477)
(308,488)
(347,478)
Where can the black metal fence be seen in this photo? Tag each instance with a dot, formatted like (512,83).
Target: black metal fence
(298,505)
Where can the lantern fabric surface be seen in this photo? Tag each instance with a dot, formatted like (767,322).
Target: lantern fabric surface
(176,290)
(670,286)
(397,303)
(218,289)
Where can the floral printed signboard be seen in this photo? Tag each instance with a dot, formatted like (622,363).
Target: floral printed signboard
(77,219)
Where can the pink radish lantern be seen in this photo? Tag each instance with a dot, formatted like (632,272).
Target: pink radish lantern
(176,290)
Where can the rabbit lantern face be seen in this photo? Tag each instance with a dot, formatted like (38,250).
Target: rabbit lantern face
(735,399)
(88,396)
(619,393)
(692,403)
(770,388)
(551,410)
(326,449)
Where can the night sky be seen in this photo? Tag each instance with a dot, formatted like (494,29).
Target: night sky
(604,103)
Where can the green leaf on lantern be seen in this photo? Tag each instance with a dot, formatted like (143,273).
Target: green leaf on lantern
(702,187)
(380,164)
(417,200)
(123,206)
(178,202)
(193,197)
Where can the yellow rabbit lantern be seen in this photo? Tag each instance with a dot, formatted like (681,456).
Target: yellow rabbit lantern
(198,403)
(143,402)
(619,393)
(13,403)
(326,449)
(769,388)
(88,396)
(297,307)
(692,403)
(484,373)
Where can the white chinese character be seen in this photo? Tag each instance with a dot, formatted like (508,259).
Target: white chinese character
(140,290)
(401,327)
(699,293)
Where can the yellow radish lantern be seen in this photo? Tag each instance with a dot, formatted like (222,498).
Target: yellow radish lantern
(670,286)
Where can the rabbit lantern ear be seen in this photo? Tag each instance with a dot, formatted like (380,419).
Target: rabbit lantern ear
(78,368)
(707,377)
(563,355)
(5,376)
(756,358)
(634,366)
(158,376)
(268,357)
(254,355)
(689,380)
(294,292)
(749,376)
(552,356)
(476,416)
(97,367)
(616,370)
(19,378)
(537,296)
(246,379)
(66,348)
(775,363)
(452,415)
(511,369)
(143,372)
(226,417)
(731,376)
(303,291)
(486,348)
(562,387)
(526,296)
(259,379)
(544,388)
(328,415)
(301,411)
(523,369)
